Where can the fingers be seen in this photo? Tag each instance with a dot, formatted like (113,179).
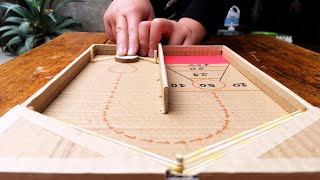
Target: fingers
(195,30)
(122,20)
(152,32)
(125,32)
(150,16)
(108,27)
(177,37)
(133,25)
(189,41)
(122,36)
(185,32)
(190,38)
(144,31)
(159,27)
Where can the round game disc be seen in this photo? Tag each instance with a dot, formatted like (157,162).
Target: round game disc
(126,59)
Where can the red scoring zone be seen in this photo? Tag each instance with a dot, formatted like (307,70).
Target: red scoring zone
(218,59)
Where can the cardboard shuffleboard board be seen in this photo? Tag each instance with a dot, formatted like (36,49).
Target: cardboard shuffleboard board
(189,111)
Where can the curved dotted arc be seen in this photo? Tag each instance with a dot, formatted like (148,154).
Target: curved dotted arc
(132,137)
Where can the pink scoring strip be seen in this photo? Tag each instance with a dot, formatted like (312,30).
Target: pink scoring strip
(218,59)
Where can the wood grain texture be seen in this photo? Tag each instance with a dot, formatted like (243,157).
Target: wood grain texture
(293,66)
(24,75)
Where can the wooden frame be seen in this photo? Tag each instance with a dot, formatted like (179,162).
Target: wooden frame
(205,165)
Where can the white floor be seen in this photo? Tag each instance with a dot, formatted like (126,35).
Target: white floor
(4,58)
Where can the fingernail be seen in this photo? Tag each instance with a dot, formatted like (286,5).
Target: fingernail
(150,53)
(120,51)
(143,52)
(131,51)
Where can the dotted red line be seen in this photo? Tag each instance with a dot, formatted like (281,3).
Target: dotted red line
(198,139)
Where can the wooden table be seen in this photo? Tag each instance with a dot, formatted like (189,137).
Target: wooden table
(293,66)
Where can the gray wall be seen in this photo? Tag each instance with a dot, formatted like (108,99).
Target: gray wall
(89,13)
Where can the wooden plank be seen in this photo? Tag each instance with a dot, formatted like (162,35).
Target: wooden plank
(42,98)
(293,66)
(104,50)
(24,75)
(164,81)
(191,50)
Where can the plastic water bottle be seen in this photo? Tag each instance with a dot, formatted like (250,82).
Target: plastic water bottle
(233,18)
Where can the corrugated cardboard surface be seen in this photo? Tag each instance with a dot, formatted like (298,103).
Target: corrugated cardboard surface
(122,101)
(26,140)
(50,176)
(305,144)
(38,146)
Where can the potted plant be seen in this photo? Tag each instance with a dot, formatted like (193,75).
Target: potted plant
(33,25)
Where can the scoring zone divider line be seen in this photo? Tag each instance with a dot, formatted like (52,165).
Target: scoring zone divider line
(195,79)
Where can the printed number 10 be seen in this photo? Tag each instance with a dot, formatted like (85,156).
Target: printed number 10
(178,85)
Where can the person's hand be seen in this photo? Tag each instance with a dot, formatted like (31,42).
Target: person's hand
(186,31)
(121,22)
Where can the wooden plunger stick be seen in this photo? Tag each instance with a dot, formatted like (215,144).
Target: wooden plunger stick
(164,81)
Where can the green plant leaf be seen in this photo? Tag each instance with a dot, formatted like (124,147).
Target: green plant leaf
(9,50)
(59,20)
(35,26)
(31,6)
(22,49)
(19,10)
(27,45)
(24,29)
(38,40)
(14,40)
(65,24)
(47,38)
(8,27)
(42,5)
(52,17)
(14,19)
(35,3)
(29,42)
(64,3)
(9,33)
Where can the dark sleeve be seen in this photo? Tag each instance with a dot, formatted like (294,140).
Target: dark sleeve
(210,13)
(158,8)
